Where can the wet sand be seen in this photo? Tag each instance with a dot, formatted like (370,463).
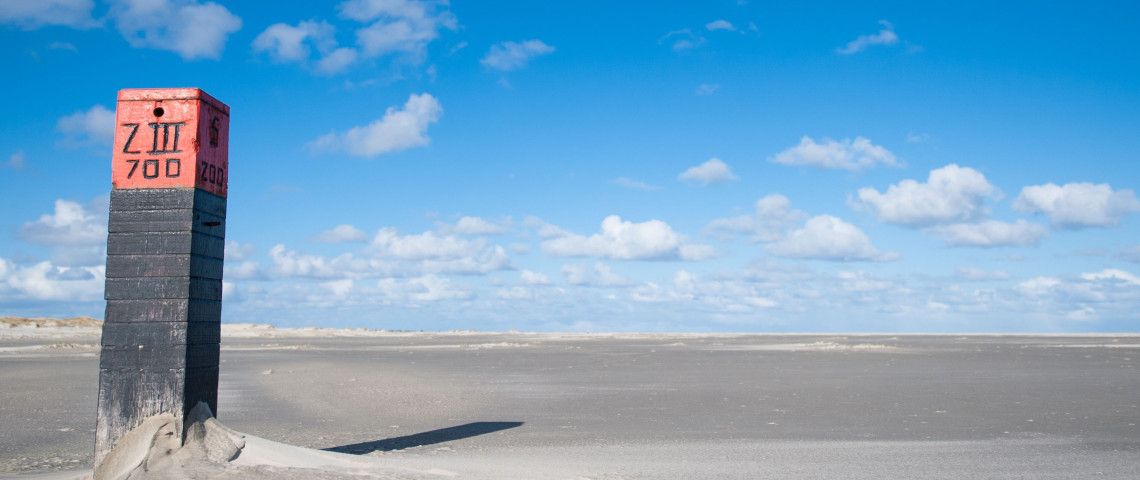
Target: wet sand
(634,406)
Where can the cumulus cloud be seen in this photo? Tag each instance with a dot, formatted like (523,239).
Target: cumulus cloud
(469,225)
(31,14)
(427,288)
(825,237)
(190,28)
(846,154)
(950,194)
(533,278)
(712,171)
(398,26)
(625,240)
(70,224)
(399,129)
(1086,297)
(1111,274)
(286,43)
(440,253)
(342,234)
(990,233)
(720,25)
(1078,205)
(235,250)
(597,275)
(94,126)
(507,56)
(773,216)
(45,281)
(979,275)
(634,184)
(885,36)
(401,29)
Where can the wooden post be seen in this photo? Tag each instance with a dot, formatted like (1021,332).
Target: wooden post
(165,243)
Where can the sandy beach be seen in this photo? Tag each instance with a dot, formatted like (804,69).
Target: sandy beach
(627,406)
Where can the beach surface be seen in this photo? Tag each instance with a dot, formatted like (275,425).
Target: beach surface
(625,406)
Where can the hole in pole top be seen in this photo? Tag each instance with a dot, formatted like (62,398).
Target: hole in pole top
(158,111)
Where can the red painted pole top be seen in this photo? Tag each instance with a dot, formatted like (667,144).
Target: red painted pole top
(171,138)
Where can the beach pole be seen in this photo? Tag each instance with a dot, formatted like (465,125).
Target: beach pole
(165,244)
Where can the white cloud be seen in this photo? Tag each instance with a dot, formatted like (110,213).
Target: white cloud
(1111,275)
(1111,292)
(1078,205)
(507,56)
(70,224)
(1038,286)
(32,14)
(625,240)
(825,237)
(634,184)
(773,217)
(706,89)
(468,225)
(47,282)
(94,126)
(545,230)
(289,263)
(990,233)
(190,28)
(398,129)
(950,194)
(337,60)
(235,250)
(427,288)
(247,269)
(432,253)
(712,171)
(847,154)
(683,39)
(398,26)
(917,137)
(286,43)
(598,275)
(720,296)
(885,36)
(720,25)
(980,275)
(342,234)
(533,278)
(17,161)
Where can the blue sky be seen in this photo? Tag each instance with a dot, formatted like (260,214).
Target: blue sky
(586,166)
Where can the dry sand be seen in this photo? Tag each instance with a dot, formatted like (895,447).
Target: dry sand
(621,406)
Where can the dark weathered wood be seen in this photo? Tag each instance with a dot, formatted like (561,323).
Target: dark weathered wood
(166,243)
(131,266)
(177,220)
(163,310)
(144,288)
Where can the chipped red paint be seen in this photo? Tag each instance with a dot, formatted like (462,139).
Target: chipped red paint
(171,138)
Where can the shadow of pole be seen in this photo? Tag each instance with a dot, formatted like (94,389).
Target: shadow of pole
(425,438)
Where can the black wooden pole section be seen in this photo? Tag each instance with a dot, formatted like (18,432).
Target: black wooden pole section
(165,244)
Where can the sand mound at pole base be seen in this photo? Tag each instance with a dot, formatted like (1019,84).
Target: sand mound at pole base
(214,451)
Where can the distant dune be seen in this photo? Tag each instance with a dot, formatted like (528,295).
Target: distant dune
(42,322)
